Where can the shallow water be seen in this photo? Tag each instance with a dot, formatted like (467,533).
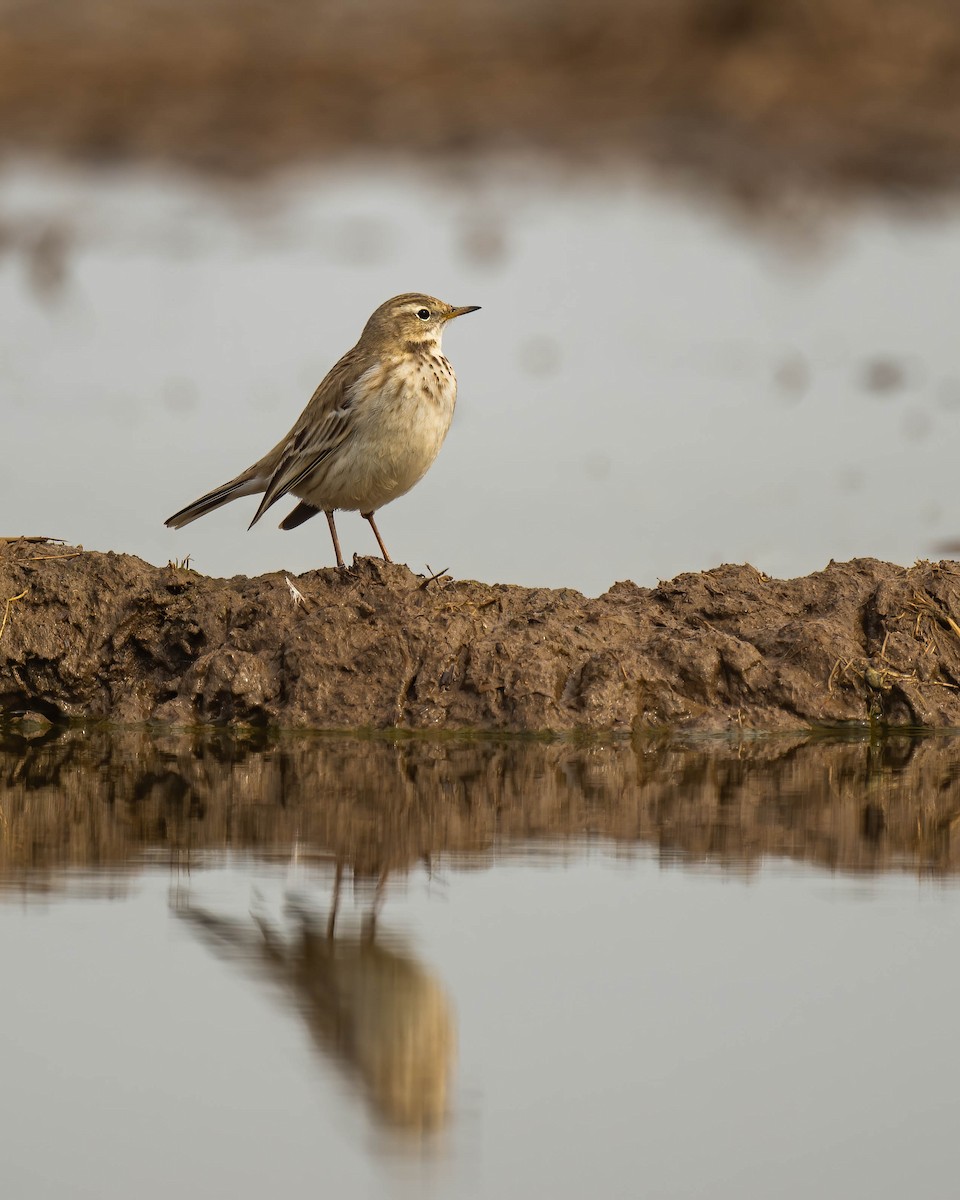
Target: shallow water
(713,969)
(653,385)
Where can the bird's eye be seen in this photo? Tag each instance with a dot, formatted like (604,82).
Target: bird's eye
(423,314)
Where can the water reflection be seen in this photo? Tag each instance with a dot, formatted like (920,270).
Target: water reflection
(372,1009)
(590,1002)
(379,806)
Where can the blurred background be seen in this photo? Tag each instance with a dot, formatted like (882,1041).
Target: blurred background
(715,242)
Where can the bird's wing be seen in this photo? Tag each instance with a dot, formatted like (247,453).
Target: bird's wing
(322,428)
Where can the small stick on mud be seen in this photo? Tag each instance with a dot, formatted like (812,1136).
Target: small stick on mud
(11,600)
(438,575)
(833,673)
(298,597)
(31,540)
(925,604)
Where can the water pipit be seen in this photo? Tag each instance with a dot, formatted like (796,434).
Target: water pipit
(371,430)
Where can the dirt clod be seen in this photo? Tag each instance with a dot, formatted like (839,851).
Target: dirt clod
(111,637)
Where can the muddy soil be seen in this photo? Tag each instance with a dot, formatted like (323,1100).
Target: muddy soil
(110,637)
(753,95)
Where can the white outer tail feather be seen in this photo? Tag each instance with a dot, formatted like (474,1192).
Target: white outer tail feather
(221,495)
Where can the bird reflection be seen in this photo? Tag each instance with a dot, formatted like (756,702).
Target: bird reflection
(371,1008)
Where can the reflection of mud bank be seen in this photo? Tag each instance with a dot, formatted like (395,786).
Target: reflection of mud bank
(379,807)
(110,637)
(749,92)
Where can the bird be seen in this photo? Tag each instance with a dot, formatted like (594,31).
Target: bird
(371,430)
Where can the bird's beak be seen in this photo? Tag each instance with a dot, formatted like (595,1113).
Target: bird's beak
(459,312)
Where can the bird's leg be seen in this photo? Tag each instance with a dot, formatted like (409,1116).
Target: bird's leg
(369,928)
(376,532)
(335,903)
(336,540)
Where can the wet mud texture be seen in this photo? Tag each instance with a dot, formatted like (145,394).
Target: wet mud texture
(753,94)
(110,637)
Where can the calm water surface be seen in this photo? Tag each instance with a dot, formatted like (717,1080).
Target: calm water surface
(654,385)
(478,967)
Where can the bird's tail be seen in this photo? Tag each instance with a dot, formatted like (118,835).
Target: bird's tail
(244,485)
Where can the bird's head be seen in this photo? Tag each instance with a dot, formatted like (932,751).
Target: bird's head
(412,318)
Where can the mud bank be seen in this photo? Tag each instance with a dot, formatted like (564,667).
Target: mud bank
(751,95)
(108,636)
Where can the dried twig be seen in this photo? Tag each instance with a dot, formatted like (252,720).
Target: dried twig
(438,575)
(31,540)
(926,604)
(11,600)
(298,597)
(840,668)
